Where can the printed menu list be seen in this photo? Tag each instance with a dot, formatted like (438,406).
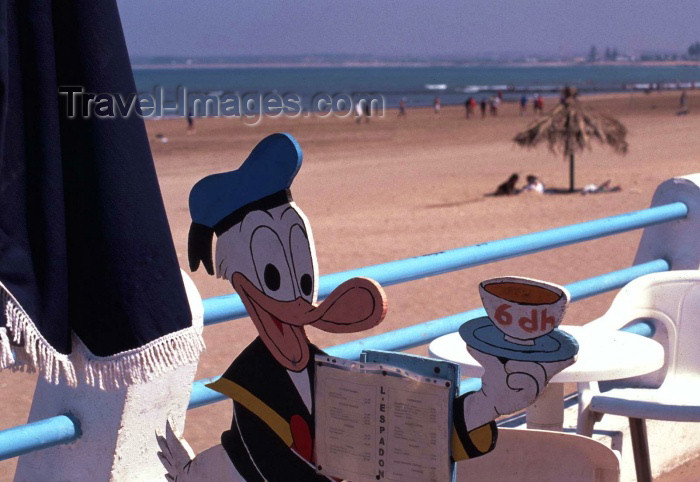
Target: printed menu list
(380,422)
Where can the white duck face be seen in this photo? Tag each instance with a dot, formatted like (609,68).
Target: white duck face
(274,250)
(270,260)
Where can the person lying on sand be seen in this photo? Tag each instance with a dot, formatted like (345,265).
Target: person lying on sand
(604,187)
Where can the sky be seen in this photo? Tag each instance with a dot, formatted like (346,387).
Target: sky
(407,27)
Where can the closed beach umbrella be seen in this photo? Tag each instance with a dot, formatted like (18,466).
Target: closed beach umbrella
(569,128)
(86,254)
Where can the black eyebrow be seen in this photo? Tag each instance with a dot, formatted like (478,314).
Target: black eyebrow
(301,224)
(240,225)
(290,208)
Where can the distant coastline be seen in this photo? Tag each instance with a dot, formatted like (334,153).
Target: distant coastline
(403,64)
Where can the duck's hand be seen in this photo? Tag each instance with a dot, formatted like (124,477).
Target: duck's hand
(507,386)
(182,466)
(175,454)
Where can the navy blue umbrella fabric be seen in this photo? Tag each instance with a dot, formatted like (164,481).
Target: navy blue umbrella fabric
(85,246)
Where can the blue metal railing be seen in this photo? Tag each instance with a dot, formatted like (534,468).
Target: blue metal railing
(65,429)
(16,441)
(229,307)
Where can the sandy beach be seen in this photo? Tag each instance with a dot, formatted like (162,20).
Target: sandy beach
(398,187)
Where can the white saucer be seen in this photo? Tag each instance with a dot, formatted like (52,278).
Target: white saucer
(482,335)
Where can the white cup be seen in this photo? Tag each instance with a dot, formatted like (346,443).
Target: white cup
(523,308)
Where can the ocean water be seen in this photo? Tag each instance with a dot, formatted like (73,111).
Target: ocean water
(419,85)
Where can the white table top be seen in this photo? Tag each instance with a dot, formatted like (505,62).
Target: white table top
(603,355)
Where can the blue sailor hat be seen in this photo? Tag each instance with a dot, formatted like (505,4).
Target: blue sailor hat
(222,200)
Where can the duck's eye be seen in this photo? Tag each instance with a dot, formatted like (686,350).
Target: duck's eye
(302,261)
(272,268)
(272,277)
(306,284)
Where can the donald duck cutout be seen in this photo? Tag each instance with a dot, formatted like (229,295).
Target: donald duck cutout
(265,249)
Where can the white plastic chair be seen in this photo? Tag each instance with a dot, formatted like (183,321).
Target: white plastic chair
(540,456)
(671,302)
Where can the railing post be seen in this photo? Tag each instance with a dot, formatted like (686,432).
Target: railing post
(118,427)
(675,241)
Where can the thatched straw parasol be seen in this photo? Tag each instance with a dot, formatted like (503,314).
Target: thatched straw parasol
(569,128)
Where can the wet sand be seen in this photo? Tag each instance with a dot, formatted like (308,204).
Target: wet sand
(400,187)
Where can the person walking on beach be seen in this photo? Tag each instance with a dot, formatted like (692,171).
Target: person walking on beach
(190,123)
(358,111)
(537,104)
(482,106)
(436,104)
(402,107)
(495,102)
(469,106)
(683,104)
(523,104)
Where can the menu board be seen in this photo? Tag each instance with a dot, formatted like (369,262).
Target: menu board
(380,422)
